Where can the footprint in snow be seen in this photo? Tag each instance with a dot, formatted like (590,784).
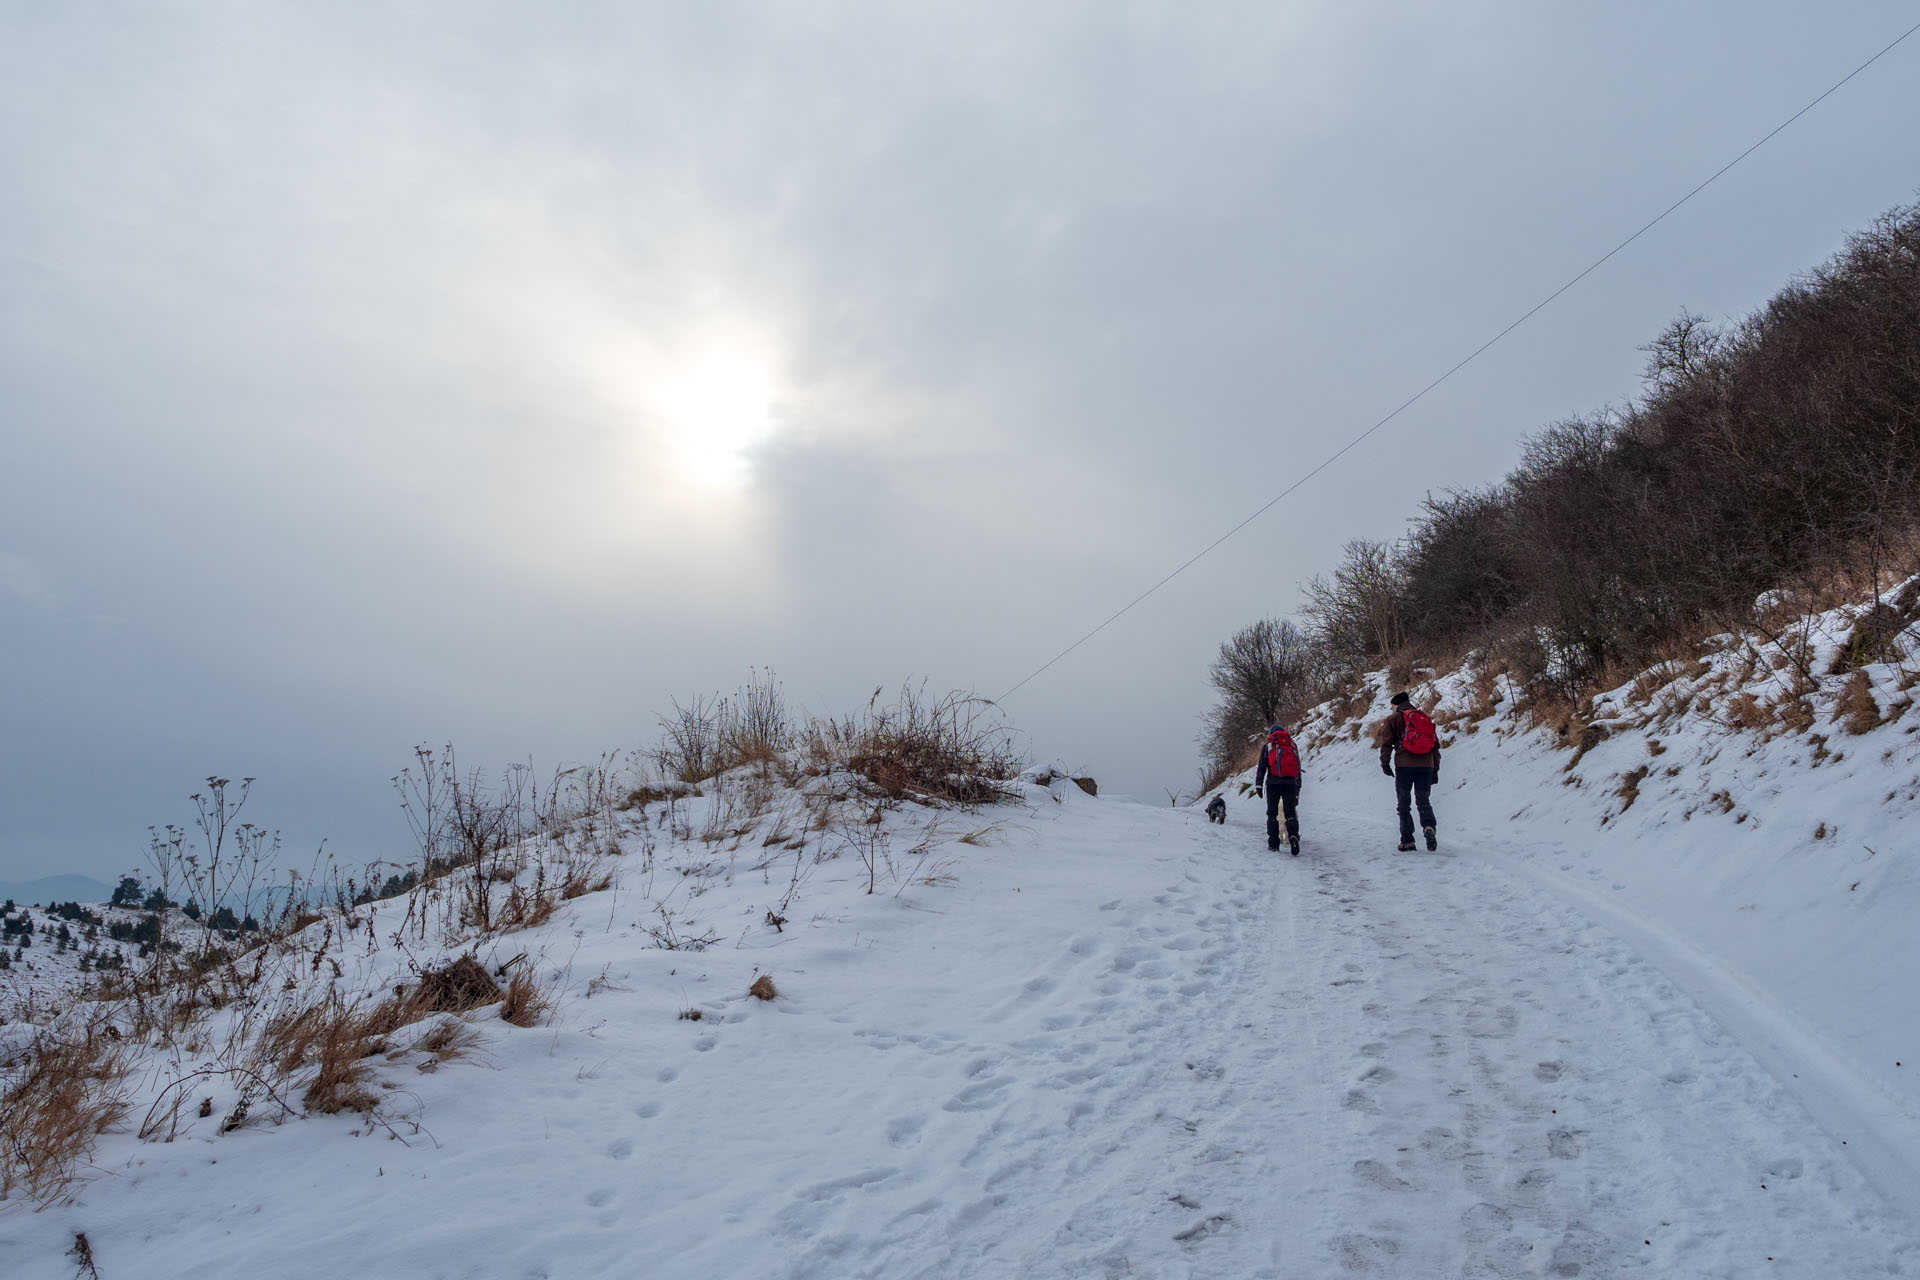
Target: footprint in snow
(1365,1253)
(1485,1222)
(620,1150)
(1375,1174)
(976,1097)
(905,1130)
(852,1182)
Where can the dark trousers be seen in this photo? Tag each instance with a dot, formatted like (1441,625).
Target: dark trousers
(1412,782)
(1283,791)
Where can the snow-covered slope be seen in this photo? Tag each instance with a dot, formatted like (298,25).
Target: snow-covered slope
(1746,817)
(1066,1037)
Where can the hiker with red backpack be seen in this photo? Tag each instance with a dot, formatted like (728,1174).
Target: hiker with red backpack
(1410,755)
(1277,780)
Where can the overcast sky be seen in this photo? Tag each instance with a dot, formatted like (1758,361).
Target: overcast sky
(494,373)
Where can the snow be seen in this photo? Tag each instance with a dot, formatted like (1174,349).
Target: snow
(1784,905)
(1098,1038)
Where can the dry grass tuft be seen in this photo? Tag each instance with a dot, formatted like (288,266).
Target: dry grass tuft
(1872,638)
(446,1039)
(1856,710)
(1586,739)
(528,906)
(1797,714)
(951,749)
(762,988)
(60,1094)
(1486,693)
(1630,786)
(334,1037)
(1745,711)
(524,1003)
(455,987)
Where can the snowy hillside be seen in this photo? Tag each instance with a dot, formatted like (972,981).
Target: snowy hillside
(1746,814)
(1070,1036)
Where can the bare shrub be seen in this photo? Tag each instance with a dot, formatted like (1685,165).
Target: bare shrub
(952,749)
(711,735)
(762,988)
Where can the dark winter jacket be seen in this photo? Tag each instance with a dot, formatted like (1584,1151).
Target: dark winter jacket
(1397,726)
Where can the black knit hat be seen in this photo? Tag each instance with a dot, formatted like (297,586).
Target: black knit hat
(1401,699)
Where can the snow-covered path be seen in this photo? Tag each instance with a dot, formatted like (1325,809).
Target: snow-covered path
(1355,1062)
(1120,1042)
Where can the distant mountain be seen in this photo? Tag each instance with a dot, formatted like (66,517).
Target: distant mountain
(56,889)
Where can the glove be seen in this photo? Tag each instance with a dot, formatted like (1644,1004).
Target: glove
(1259,791)
(1387,769)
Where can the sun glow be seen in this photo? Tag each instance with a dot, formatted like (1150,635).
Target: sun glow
(717,411)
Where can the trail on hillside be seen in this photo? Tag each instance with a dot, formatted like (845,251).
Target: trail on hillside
(1104,1040)
(1354,1062)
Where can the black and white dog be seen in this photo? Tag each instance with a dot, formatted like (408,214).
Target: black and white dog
(1217,810)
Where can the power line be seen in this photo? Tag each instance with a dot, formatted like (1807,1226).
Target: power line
(1463,363)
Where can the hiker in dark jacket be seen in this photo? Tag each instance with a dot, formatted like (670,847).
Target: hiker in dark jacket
(1277,780)
(1413,772)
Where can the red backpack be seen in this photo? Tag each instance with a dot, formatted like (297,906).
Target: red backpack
(1417,738)
(1283,761)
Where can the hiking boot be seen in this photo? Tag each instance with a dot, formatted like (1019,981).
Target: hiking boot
(1273,846)
(1406,846)
(1433,841)
(1294,844)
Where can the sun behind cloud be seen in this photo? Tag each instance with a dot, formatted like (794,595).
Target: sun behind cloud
(716,411)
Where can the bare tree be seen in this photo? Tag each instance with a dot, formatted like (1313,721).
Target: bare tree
(1269,671)
(1265,665)
(1356,614)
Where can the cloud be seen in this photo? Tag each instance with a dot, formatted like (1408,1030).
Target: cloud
(333,347)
